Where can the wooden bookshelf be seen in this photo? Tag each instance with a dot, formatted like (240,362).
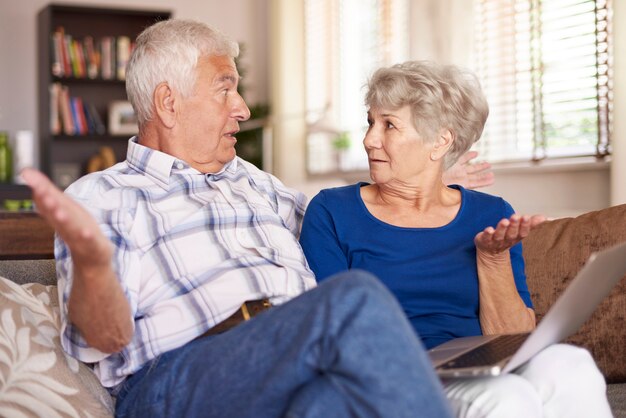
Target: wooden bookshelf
(62,150)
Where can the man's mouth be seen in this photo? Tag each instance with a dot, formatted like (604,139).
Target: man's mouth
(232,134)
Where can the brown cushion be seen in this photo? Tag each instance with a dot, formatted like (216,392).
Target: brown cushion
(554,252)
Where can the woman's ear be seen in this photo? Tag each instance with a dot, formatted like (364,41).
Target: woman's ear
(164,99)
(442,144)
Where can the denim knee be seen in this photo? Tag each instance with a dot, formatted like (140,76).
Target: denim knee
(353,281)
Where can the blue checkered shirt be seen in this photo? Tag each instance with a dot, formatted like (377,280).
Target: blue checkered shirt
(190,248)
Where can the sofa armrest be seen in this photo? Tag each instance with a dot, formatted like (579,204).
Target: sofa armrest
(554,252)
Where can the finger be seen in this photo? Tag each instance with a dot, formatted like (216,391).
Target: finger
(468,156)
(512,232)
(481,180)
(524,228)
(536,220)
(484,239)
(478,167)
(501,229)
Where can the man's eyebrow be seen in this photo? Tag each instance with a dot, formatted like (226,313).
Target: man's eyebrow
(228,77)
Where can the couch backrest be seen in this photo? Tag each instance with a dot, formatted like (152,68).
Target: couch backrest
(29,271)
(554,252)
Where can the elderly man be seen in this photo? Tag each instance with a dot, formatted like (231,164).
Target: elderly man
(167,251)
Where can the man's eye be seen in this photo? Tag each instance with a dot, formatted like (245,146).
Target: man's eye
(370,122)
(390,125)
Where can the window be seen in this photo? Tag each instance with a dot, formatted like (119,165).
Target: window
(346,40)
(545,67)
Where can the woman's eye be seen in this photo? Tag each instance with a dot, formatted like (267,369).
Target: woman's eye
(390,125)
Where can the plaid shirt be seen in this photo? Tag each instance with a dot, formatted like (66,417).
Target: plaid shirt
(190,248)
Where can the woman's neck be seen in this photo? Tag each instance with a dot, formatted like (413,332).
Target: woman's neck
(414,205)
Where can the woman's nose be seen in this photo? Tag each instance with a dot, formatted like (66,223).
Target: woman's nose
(372,139)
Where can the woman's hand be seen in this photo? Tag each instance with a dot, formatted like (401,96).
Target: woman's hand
(507,233)
(467,174)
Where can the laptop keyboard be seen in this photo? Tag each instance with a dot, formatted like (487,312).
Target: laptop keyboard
(491,352)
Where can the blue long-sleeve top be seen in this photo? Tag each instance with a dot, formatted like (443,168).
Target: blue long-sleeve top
(431,271)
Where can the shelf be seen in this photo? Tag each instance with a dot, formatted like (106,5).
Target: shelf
(14,191)
(67,155)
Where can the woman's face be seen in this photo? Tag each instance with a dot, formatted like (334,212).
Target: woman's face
(395,150)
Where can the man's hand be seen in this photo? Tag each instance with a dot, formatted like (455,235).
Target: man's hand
(469,175)
(507,233)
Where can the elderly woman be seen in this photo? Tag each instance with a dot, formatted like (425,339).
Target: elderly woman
(451,256)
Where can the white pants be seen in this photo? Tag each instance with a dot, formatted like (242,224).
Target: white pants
(560,381)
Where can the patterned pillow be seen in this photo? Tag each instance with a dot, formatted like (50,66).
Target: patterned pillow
(37,378)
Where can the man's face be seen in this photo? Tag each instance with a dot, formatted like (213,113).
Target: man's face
(209,119)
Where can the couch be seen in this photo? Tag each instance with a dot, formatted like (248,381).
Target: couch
(37,378)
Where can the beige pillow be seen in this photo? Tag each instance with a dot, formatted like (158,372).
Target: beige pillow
(554,253)
(37,378)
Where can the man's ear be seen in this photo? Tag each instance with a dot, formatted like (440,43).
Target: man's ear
(442,144)
(164,99)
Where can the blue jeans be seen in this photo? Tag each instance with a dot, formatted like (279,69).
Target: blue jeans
(344,349)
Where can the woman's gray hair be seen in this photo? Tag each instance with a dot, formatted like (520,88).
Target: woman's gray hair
(168,51)
(440,96)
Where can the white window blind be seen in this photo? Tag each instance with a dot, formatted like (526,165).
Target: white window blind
(545,67)
(346,40)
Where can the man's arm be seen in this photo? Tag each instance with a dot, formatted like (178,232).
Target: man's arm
(97,304)
(469,175)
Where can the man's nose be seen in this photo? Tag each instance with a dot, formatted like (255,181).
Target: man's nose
(240,109)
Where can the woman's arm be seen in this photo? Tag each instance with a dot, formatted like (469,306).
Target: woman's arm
(502,310)
(320,242)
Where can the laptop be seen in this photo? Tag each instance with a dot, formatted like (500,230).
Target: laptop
(492,355)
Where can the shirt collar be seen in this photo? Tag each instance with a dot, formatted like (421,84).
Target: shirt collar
(159,166)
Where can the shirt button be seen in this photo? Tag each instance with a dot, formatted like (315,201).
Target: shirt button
(179,166)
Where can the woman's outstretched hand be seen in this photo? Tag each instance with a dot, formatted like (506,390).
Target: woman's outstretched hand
(508,232)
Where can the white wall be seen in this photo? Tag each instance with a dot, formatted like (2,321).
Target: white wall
(244,20)
(440,30)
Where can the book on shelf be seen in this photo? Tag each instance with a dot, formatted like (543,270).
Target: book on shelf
(55,121)
(106,46)
(71,115)
(92,57)
(123,55)
(56,40)
(78,112)
(105,57)
(96,121)
(65,111)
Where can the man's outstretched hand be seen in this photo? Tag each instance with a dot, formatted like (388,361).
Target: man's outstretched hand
(468,174)
(97,304)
